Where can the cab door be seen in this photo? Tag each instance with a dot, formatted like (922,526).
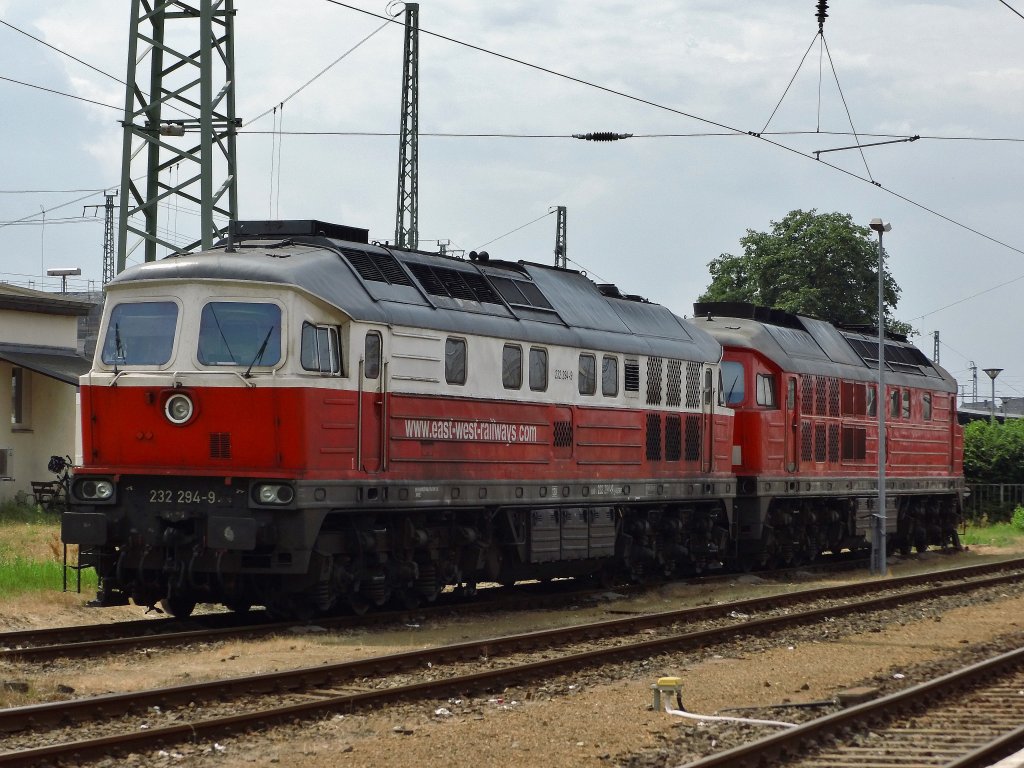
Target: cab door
(791,416)
(371,405)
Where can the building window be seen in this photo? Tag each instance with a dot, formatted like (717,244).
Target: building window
(588,374)
(609,376)
(455,361)
(538,369)
(371,356)
(320,350)
(512,366)
(20,399)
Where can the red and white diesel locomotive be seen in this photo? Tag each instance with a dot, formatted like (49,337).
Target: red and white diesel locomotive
(303,420)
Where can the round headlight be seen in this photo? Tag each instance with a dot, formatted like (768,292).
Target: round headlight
(179,408)
(94,490)
(274,494)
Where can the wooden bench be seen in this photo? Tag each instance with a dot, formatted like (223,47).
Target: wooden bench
(45,491)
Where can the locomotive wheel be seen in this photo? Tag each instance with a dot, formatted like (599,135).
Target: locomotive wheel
(178,606)
(406,599)
(358,604)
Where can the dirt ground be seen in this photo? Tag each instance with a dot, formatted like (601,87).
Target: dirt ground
(597,723)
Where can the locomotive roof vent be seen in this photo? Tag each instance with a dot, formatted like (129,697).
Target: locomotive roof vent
(271,229)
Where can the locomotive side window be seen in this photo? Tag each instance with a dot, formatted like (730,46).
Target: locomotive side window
(609,376)
(588,374)
(512,366)
(906,403)
(371,357)
(240,333)
(538,369)
(320,350)
(766,391)
(791,393)
(140,333)
(455,361)
(926,406)
(733,376)
(872,409)
(894,403)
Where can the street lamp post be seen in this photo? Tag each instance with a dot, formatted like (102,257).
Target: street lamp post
(878,564)
(992,373)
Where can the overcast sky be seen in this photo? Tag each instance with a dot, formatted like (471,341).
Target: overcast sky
(647,214)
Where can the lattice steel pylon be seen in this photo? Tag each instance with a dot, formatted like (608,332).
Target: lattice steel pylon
(407,214)
(561,241)
(184,83)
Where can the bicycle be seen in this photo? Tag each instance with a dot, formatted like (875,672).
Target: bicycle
(53,495)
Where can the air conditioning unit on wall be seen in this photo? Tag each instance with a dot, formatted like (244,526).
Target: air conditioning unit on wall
(6,463)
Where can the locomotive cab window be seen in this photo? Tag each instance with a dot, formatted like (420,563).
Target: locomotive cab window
(766,391)
(240,333)
(371,355)
(538,369)
(609,376)
(512,366)
(588,374)
(140,333)
(320,350)
(732,379)
(455,361)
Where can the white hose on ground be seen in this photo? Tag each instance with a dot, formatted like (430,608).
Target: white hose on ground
(724,719)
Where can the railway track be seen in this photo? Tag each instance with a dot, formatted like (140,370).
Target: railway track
(969,718)
(81,728)
(94,640)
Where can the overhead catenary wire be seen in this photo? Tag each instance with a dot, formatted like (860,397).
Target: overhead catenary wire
(698,118)
(1012,8)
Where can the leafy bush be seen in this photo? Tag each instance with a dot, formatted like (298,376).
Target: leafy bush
(1018,518)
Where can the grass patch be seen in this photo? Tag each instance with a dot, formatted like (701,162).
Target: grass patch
(31,552)
(994,535)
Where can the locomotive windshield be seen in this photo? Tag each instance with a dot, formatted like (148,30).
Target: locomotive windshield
(140,333)
(240,333)
(732,380)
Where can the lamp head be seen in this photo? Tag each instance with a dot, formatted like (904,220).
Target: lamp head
(880,226)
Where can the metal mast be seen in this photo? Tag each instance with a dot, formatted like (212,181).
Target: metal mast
(108,233)
(163,118)
(407,215)
(561,246)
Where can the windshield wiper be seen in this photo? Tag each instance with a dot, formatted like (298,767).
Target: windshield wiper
(259,355)
(118,349)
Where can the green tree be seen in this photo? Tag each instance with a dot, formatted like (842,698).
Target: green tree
(820,265)
(994,453)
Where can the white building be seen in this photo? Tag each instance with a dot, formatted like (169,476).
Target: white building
(39,370)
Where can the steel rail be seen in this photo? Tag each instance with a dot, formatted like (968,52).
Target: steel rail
(319,677)
(774,750)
